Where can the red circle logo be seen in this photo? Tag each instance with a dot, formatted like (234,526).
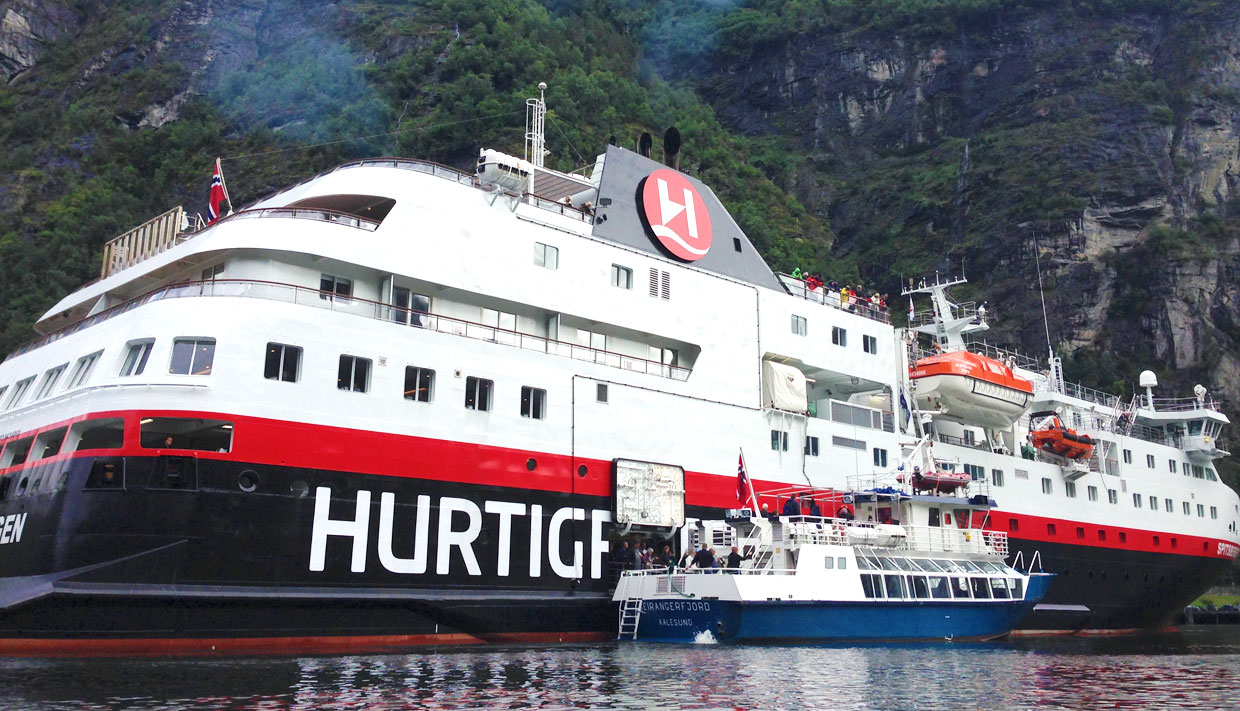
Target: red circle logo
(676,214)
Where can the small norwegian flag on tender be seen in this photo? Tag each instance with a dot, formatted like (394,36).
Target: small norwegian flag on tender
(744,490)
(217,195)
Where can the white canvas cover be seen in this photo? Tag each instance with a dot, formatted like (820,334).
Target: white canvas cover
(783,387)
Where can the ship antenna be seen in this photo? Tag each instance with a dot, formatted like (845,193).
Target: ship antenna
(1042,294)
(535,122)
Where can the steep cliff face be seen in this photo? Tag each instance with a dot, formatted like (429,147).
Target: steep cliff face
(1110,146)
(27,28)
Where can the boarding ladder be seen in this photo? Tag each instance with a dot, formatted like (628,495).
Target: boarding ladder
(630,616)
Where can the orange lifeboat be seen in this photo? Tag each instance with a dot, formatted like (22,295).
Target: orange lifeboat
(1057,439)
(939,482)
(971,388)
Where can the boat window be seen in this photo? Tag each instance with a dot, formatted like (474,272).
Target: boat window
(872,585)
(895,586)
(981,588)
(353,374)
(48,444)
(135,357)
(331,286)
(345,208)
(283,363)
(841,563)
(993,567)
(969,565)
(82,369)
(938,587)
(478,393)
(920,564)
(887,564)
(186,433)
(919,586)
(106,474)
(419,383)
(1194,427)
(1017,587)
(863,564)
(828,563)
(98,434)
(904,564)
(533,402)
(998,586)
(960,587)
(15,452)
(192,356)
(50,378)
(19,391)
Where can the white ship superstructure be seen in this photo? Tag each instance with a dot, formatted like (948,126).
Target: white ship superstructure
(402,391)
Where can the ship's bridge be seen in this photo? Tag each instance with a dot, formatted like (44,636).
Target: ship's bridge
(1194,425)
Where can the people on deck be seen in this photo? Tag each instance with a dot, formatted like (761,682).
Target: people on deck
(735,558)
(792,507)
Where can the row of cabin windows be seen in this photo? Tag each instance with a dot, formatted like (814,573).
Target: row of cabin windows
(190,356)
(182,433)
(1113,498)
(779,443)
(908,587)
(1174,467)
(839,336)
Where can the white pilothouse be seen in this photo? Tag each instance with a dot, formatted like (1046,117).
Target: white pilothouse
(401,391)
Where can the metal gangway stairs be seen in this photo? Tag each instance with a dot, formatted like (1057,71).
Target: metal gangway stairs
(630,616)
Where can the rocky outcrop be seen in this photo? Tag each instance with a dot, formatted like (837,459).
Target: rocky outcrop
(27,27)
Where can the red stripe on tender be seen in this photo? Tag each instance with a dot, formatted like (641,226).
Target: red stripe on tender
(297,444)
(224,645)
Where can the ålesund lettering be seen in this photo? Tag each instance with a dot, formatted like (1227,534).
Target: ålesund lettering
(458,527)
(11,528)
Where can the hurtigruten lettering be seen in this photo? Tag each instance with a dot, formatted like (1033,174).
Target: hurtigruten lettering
(11,528)
(458,526)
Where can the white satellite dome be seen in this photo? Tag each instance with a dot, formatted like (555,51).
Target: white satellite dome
(1147,379)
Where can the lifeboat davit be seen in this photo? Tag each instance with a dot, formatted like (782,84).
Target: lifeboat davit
(1055,438)
(971,388)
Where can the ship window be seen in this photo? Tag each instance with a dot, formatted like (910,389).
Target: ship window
(82,369)
(996,477)
(419,384)
(1188,510)
(192,356)
(981,588)
(1050,529)
(48,444)
(16,452)
(1123,537)
(1046,485)
(19,391)
(136,357)
(938,587)
(919,587)
(1000,588)
(353,374)
(1069,489)
(1112,496)
(1102,534)
(533,402)
(895,586)
(478,393)
(828,563)
(600,392)
(1092,492)
(1194,427)
(1013,524)
(283,363)
(621,277)
(50,379)
(1171,464)
(1201,509)
(868,586)
(1149,461)
(969,441)
(106,474)
(98,434)
(332,286)
(212,272)
(960,587)
(842,563)
(799,326)
(1157,542)
(2,391)
(1214,512)
(1136,500)
(880,457)
(186,433)
(811,446)
(779,440)
(1127,456)
(848,443)
(975,471)
(736,243)
(1080,532)
(1210,475)
(409,308)
(839,336)
(1153,503)
(546,256)
(1168,505)
(869,344)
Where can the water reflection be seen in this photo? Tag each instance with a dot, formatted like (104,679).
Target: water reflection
(1194,670)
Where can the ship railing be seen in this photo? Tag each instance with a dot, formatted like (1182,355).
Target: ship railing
(1090,395)
(307,296)
(317,214)
(862,306)
(802,530)
(967,309)
(961,442)
(1185,404)
(1016,358)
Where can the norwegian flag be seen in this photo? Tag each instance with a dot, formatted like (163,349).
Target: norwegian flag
(744,490)
(217,195)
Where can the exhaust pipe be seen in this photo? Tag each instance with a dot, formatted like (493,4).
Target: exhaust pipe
(644,144)
(671,148)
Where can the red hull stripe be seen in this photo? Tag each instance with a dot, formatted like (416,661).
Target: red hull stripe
(270,645)
(310,446)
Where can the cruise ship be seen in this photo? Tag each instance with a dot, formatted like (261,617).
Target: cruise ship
(402,404)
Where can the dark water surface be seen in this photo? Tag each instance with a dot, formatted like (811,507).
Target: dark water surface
(1195,669)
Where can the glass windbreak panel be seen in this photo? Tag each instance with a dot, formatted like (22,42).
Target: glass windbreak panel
(981,588)
(98,434)
(48,444)
(16,452)
(187,433)
(960,587)
(927,565)
(895,586)
(938,587)
(862,563)
(969,566)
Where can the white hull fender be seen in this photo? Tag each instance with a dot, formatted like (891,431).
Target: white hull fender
(971,400)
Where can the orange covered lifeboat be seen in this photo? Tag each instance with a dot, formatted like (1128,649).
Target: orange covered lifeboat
(971,388)
(1055,438)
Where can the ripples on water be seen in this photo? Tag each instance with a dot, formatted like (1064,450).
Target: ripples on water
(1198,669)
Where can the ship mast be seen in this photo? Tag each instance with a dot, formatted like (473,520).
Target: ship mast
(948,322)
